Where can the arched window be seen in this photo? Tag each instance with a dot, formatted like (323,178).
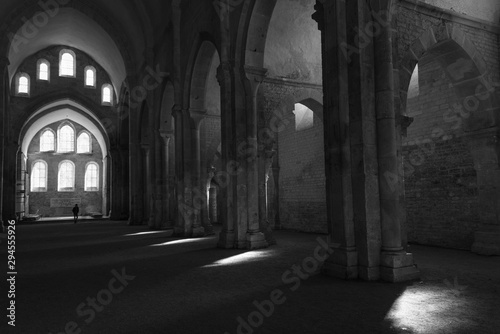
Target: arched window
(107,94)
(83,143)
(67,63)
(47,141)
(92,177)
(304,117)
(66,139)
(90,76)
(43,70)
(23,84)
(66,176)
(414,88)
(39,176)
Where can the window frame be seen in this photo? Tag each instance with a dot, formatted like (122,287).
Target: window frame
(111,97)
(67,189)
(61,54)
(78,140)
(94,71)
(46,177)
(39,64)
(54,144)
(85,186)
(18,84)
(59,137)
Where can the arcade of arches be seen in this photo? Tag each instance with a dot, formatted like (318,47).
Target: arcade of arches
(373,121)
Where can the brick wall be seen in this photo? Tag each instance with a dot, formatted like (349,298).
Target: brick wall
(302,164)
(302,178)
(440,179)
(91,201)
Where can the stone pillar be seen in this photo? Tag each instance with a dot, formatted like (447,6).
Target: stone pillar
(396,264)
(199,195)
(11,150)
(485,149)
(265,162)
(105,188)
(343,263)
(225,179)
(147,194)
(275,169)
(255,238)
(167,184)
(135,172)
(179,228)
(4,101)
(156,180)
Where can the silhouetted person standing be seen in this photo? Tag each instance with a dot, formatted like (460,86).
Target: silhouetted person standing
(76,209)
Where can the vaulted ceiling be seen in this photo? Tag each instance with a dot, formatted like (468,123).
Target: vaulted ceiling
(114,32)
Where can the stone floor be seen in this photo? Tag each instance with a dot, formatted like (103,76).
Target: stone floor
(171,285)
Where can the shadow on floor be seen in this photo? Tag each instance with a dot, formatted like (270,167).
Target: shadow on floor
(67,279)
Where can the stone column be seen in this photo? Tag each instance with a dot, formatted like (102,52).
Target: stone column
(255,238)
(105,188)
(11,150)
(199,195)
(485,149)
(265,162)
(275,169)
(4,100)
(396,264)
(224,178)
(343,263)
(135,171)
(182,211)
(157,183)
(147,194)
(167,184)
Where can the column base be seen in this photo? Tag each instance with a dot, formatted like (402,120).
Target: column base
(226,240)
(343,264)
(369,273)
(268,233)
(168,232)
(256,241)
(134,223)
(198,232)
(209,229)
(398,267)
(181,232)
(487,241)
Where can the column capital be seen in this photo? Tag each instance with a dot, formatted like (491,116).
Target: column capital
(166,134)
(197,115)
(255,75)
(405,122)
(176,111)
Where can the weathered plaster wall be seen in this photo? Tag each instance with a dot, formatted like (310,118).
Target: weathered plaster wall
(488,10)
(293,46)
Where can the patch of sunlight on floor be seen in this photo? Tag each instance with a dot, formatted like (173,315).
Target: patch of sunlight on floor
(180,241)
(250,256)
(143,233)
(429,310)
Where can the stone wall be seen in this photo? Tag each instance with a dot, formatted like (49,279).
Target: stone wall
(440,179)
(40,202)
(301,159)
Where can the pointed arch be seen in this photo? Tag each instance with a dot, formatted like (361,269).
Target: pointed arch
(463,65)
